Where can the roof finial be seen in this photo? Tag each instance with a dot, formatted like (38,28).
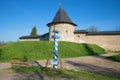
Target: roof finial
(60,5)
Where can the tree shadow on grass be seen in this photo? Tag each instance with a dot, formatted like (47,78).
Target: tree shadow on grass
(27,76)
(95,69)
(89,49)
(1,53)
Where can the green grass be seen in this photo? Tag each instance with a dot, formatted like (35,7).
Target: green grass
(62,73)
(41,49)
(115,58)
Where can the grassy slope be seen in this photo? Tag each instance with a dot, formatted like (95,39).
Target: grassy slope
(42,49)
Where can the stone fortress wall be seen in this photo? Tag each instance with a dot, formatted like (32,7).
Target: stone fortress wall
(66,31)
(109,42)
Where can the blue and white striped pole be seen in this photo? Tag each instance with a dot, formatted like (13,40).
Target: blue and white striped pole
(55,49)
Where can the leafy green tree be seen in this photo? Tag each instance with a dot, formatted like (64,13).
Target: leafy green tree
(118,28)
(34,31)
(2,43)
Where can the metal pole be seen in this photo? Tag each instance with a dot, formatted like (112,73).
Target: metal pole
(55,49)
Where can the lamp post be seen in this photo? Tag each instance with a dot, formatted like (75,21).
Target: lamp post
(55,48)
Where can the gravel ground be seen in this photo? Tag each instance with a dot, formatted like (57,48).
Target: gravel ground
(94,64)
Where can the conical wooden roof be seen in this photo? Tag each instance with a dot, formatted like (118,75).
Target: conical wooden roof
(61,17)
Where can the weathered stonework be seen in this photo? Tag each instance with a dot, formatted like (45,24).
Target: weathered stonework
(109,42)
(66,31)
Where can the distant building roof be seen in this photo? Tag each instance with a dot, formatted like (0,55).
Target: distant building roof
(30,37)
(61,17)
(98,32)
(33,37)
(104,33)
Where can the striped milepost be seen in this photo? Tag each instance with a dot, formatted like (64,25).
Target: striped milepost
(55,48)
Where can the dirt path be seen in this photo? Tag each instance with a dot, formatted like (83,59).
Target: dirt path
(94,64)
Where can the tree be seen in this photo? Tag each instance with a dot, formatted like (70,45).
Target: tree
(118,28)
(34,31)
(2,43)
(92,29)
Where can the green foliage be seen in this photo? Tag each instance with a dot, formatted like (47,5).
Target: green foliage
(25,58)
(118,28)
(38,50)
(92,29)
(115,58)
(61,73)
(33,32)
(2,43)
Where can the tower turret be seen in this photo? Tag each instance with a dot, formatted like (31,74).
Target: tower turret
(64,24)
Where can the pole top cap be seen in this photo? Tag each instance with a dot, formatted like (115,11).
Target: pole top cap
(56,31)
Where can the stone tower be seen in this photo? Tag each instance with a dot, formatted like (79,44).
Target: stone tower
(64,24)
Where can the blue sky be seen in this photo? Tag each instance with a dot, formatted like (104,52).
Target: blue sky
(17,17)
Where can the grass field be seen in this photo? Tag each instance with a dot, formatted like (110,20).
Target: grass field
(61,73)
(41,49)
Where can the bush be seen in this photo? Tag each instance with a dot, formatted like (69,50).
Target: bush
(2,43)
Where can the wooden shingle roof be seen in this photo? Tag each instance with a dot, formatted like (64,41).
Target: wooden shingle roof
(61,17)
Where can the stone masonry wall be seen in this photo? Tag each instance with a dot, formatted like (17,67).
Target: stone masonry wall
(66,31)
(109,42)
